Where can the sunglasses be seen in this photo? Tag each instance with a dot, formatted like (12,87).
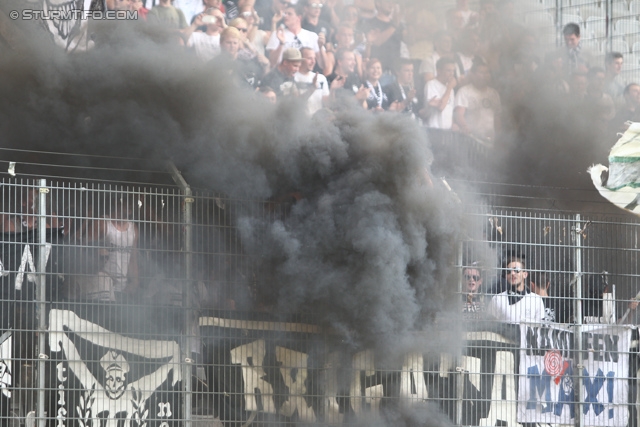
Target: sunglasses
(316,5)
(244,30)
(472,277)
(515,270)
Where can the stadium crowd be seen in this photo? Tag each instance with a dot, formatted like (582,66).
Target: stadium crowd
(453,67)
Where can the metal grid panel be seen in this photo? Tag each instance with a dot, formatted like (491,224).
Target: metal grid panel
(190,338)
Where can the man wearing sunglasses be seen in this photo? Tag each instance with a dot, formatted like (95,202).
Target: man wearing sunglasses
(517,303)
(473,298)
(311,19)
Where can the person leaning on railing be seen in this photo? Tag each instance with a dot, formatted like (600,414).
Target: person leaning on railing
(473,297)
(556,308)
(517,303)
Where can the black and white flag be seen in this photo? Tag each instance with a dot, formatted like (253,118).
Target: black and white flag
(103,379)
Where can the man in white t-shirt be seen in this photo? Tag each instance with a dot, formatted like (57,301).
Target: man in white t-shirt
(312,85)
(439,97)
(292,36)
(477,105)
(517,303)
(206,45)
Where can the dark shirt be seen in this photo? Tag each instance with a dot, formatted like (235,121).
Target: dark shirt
(389,52)
(396,93)
(377,97)
(281,84)
(322,25)
(351,85)
(250,71)
(264,8)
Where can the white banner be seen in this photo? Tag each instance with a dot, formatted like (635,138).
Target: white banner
(6,367)
(547,375)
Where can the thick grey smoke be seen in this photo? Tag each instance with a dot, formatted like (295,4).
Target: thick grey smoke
(369,245)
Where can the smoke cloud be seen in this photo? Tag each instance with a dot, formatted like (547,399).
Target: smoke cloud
(368,246)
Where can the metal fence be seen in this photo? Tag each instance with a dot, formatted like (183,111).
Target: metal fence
(128,305)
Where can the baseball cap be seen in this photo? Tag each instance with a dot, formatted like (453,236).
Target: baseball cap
(292,54)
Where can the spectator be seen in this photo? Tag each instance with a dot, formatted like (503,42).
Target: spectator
(629,112)
(550,76)
(469,17)
(137,5)
(281,78)
(315,85)
(578,84)
(258,38)
(467,54)
(614,84)
(118,271)
(345,39)
(385,34)
(312,21)
(517,304)
(601,103)
(577,58)
(366,9)
(439,97)
(329,11)
(401,93)
(167,16)
(247,50)
(349,16)
(540,285)
(271,12)
(422,25)
(377,99)
(292,36)
(206,45)
(593,289)
(442,48)
(474,299)
(455,21)
(345,72)
(477,106)
(248,70)
(268,93)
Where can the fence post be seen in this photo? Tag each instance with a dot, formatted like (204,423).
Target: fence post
(608,21)
(187,302)
(577,309)
(41,296)
(460,372)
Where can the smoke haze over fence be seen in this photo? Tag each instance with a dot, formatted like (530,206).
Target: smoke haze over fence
(369,245)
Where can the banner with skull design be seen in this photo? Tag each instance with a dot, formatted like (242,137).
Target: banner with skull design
(66,22)
(104,379)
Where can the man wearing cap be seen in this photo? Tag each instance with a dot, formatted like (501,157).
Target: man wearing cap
(517,303)
(281,78)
